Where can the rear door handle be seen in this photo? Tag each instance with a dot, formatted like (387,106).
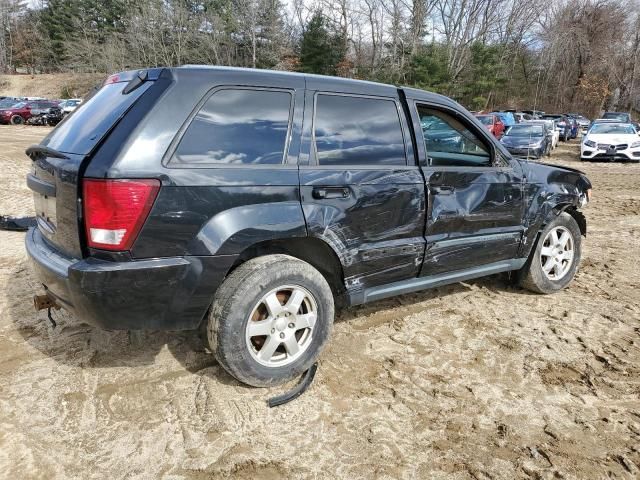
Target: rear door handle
(322,193)
(442,190)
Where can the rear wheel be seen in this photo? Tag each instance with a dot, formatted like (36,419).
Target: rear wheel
(553,263)
(270,320)
(17,120)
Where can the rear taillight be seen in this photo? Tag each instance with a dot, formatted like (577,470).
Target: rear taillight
(115,210)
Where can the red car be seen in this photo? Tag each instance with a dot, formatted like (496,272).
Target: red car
(21,112)
(493,124)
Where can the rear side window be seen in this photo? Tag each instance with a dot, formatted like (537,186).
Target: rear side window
(91,121)
(238,126)
(357,131)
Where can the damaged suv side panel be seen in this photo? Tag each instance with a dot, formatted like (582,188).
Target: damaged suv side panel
(548,191)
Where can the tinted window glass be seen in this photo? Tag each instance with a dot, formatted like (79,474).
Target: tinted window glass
(238,127)
(449,142)
(358,131)
(623,117)
(603,128)
(525,131)
(90,122)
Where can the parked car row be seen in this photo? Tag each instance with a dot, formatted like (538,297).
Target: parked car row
(532,133)
(35,111)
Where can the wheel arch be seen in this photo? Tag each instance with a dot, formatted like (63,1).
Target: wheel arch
(569,208)
(550,210)
(312,250)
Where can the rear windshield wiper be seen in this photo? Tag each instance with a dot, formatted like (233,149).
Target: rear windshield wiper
(34,151)
(141,77)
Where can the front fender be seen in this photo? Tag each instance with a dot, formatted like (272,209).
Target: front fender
(549,191)
(232,231)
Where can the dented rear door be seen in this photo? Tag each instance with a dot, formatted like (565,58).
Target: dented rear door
(361,191)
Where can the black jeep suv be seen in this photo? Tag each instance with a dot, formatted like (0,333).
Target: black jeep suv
(248,203)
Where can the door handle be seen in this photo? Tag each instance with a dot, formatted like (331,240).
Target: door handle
(442,190)
(323,193)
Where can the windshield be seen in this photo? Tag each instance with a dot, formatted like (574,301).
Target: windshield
(604,128)
(486,119)
(19,105)
(617,116)
(525,131)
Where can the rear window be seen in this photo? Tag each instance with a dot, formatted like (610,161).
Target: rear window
(238,126)
(358,131)
(90,122)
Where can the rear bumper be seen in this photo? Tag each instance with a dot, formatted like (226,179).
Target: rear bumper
(161,294)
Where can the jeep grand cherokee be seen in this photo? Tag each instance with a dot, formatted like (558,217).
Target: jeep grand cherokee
(249,203)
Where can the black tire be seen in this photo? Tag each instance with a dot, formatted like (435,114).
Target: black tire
(240,296)
(17,120)
(532,277)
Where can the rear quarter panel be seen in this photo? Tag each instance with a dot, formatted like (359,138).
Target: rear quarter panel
(208,210)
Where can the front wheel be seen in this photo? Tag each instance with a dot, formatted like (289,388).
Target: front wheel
(554,261)
(17,120)
(270,320)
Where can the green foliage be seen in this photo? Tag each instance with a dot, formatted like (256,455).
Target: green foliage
(484,76)
(63,21)
(428,69)
(320,49)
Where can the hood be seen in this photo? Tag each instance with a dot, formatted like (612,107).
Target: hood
(613,138)
(545,173)
(561,167)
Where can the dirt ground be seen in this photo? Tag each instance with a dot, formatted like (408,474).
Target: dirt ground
(49,85)
(475,380)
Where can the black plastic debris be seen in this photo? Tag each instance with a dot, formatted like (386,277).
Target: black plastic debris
(16,224)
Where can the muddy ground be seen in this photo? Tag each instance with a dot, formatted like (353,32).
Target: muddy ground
(474,380)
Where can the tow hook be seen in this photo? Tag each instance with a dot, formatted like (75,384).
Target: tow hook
(42,302)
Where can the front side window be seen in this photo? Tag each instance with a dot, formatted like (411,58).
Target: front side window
(449,142)
(238,126)
(358,131)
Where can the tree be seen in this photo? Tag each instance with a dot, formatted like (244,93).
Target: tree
(320,50)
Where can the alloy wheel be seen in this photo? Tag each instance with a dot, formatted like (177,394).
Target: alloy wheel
(281,325)
(557,253)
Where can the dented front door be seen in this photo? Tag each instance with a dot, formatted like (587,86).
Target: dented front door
(474,193)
